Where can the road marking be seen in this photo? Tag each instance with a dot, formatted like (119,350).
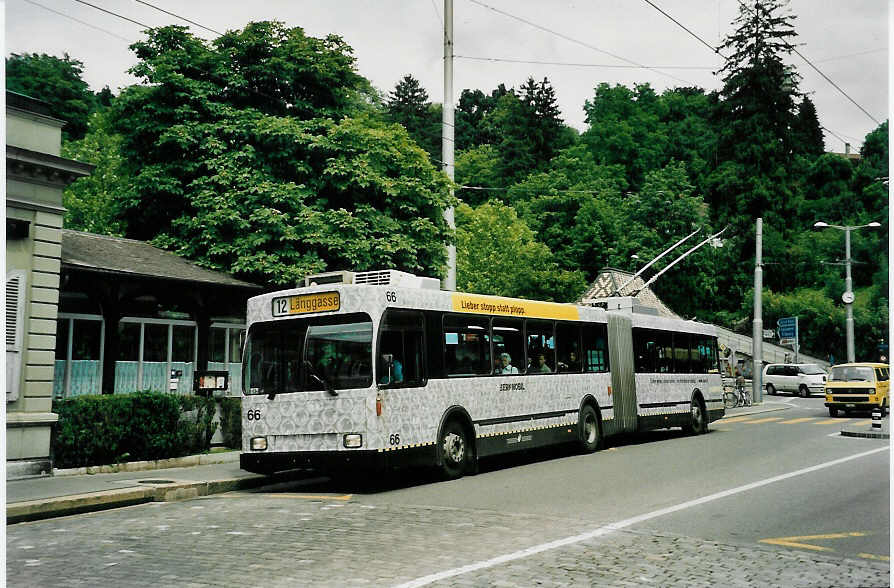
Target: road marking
(800,420)
(611,528)
(796,542)
(872,556)
(766,420)
(833,422)
(741,419)
(311,496)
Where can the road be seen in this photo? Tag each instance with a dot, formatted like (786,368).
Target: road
(776,499)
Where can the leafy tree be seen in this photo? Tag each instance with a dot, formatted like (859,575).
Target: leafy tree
(498,254)
(252,155)
(408,105)
(478,167)
(91,203)
(57,82)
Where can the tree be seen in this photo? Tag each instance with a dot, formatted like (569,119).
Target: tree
(408,105)
(91,203)
(496,253)
(57,82)
(250,155)
(808,134)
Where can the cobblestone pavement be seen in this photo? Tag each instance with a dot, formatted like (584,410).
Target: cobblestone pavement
(284,539)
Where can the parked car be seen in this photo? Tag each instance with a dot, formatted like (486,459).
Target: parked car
(858,386)
(802,379)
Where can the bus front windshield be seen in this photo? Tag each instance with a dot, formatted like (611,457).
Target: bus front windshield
(329,353)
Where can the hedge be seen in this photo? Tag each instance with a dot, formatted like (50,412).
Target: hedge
(108,429)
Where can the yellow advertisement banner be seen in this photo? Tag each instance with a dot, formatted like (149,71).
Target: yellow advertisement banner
(513,307)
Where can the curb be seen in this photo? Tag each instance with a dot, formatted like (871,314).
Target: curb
(158,464)
(35,510)
(870,434)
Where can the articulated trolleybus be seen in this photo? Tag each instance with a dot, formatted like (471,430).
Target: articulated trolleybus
(385,369)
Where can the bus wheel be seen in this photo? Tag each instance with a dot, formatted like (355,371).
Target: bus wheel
(455,450)
(698,421)
(590,437)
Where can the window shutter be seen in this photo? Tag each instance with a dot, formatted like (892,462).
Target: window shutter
(15,313)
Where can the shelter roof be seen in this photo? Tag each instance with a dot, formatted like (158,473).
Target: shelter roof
(127,257)
(610,281)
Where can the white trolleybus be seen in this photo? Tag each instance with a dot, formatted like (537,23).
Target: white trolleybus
(352,374)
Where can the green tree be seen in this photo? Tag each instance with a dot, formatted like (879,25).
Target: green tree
(496,253)
(808,134)
(91,203)
(408,105)
(57,82)
(250,155)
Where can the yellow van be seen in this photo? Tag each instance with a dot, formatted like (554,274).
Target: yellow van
(857,386)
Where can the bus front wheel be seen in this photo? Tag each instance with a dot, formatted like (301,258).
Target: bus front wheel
(590,435)
(455,450)
(698,421)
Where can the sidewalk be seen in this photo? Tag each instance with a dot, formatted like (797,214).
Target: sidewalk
(848,429)
(72,493)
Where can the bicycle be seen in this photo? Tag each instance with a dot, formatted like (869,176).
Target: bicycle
(740,396)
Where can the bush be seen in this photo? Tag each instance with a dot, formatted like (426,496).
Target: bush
(231,421)
(100,430)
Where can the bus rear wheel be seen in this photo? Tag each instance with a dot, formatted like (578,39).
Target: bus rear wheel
(589,434)
(698,420)
(455,450)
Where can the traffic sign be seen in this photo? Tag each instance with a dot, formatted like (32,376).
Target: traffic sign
(788,328)
(769,333)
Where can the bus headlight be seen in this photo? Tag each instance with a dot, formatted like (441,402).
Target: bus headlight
(259,443)
(353,440)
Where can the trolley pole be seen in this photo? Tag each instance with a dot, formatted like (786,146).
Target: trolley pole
(447,127)
(757,331)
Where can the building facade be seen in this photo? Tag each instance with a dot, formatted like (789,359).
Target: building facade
(35,178)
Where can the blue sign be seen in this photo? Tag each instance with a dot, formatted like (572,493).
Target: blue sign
(788,327)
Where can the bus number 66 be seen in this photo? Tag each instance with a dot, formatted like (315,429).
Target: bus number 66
(253,414)
(390,296)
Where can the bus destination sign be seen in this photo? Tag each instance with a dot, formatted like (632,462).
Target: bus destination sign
(306,303)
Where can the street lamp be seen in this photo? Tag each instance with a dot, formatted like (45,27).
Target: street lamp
(848,296)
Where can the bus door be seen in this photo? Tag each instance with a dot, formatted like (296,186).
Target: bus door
(620,345)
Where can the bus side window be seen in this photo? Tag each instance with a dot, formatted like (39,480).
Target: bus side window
(568,346)
(508,338)
(681,353)
(541,341)
(467,345)
(595,347)
(401,337)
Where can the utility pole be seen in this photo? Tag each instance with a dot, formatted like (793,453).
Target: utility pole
(447,137)
(848,297)
(757,331)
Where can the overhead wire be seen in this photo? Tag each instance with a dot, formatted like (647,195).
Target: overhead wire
(682,26)
(576,41)
(183,18)
(99,8)
(85,23)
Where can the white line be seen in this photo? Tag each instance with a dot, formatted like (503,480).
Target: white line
(501,559)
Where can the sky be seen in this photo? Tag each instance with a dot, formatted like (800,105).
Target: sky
(578,44)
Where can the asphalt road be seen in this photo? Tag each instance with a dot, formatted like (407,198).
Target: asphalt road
(770,499)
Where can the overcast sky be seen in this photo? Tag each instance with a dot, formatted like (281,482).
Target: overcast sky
(847,41)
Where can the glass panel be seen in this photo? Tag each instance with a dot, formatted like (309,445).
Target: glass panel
(184,344)
(401,338)
(652,351)
(340,355)
(216,342)
(62,339)
(509,345)
(87,339)
(237,339)
(851,374)
(467,345)
(568,346)
(595,347)
(681,353)
(128,342)
(541,347)
(155,347)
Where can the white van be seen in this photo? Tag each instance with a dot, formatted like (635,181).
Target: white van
(802,379)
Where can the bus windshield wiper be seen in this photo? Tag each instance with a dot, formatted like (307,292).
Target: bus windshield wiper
(313,374)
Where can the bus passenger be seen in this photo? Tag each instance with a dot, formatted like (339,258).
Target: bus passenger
(507,368)
(572,364)
(541,367)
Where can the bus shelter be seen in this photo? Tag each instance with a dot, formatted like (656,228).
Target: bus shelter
(134,317)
